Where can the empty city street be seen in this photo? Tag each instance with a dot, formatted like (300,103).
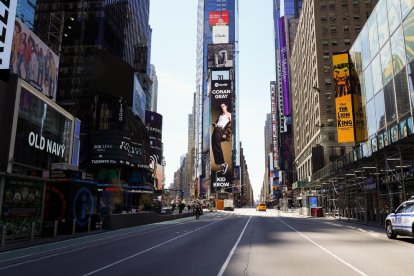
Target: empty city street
(243,242)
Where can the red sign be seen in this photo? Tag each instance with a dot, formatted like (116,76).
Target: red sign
(218,17)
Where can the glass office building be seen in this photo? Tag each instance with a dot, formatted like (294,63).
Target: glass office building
(379,174)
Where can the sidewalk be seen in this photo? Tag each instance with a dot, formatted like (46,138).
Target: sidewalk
(295,213)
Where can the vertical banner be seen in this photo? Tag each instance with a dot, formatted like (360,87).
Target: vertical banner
(7,17)
(284,67)
(275,132)
(343,98)
(221,165)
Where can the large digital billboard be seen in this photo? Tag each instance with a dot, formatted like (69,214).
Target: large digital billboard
(220,56)
(218,17)
(114,147)
(221,166)
(8,13)
(284,65)
(220,34)
(153,122)
(275,132)
(43,132)
(350,113)
(33,60)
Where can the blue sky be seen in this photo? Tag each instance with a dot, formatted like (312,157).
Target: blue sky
(174,35)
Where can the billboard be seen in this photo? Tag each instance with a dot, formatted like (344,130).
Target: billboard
(275,132)
(284,67)
(33,60)
(8,13)
(350,113)
(221,165)
(43,131)
(218,17)
(220,56)
(113,147)
(153,122)
(220,34)
(139,99)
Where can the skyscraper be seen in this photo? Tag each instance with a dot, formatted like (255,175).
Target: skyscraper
(154,88)
(211,14)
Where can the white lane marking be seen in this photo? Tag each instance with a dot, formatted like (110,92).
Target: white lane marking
(149,249)
(226,263)
(324,249)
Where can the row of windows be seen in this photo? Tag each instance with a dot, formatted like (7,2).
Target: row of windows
(345,17)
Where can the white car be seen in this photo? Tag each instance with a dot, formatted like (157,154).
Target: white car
(401,221)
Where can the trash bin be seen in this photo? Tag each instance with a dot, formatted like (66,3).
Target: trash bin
(317,212)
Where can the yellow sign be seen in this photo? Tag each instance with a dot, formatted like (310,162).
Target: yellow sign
(343,98)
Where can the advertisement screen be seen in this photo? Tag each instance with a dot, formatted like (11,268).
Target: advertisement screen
(139,100)
(343,98)
(221,167)
(220,56)
(284,67)
(43,133)
(8,11)
(116,148)
(275,132)
(33,60)
(218,17)
(153,122)
(220,34)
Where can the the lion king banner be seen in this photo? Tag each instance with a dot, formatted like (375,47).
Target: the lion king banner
(350,114)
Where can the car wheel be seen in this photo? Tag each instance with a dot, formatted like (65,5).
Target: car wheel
(390,232)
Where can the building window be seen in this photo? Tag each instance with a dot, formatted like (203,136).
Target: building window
(355,2)
(347,41)
(334,42)
(346,28)
(344,3)
(332,17)
(328,81)
(324,19)
(326,54)
(401,90)
(389,99)
(333,29)
(325,43)
(357,28)
(356,17)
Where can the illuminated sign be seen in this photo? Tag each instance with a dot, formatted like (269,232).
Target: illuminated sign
(7,17)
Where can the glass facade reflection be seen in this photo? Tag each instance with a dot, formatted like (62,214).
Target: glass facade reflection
(386,47)
(25,11)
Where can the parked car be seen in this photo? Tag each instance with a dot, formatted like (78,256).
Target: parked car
(401,221)
(261,207)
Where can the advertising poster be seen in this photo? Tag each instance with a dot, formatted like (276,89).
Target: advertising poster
(33,61)
(220,56)
(284,65)
(313,201)
(44,131)
(343,98)
(8,12)
(220,34)
(22,205)
(153,122)
(218,17)
(275,132)
(114,148)
(394,134)
(221,166)
(406,127)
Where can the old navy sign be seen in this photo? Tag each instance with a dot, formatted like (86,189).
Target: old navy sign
(284,67)
(42,143)
(7,17)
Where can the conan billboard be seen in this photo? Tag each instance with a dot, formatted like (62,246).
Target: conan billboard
(221,165)
(33,60)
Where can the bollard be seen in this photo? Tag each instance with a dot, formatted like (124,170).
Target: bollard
(74,227)
(89,224)
(32,233)
(3,235)
(55,229)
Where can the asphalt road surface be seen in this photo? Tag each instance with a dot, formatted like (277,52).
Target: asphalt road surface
(243,242)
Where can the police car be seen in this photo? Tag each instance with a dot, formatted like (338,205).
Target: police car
(401,221)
